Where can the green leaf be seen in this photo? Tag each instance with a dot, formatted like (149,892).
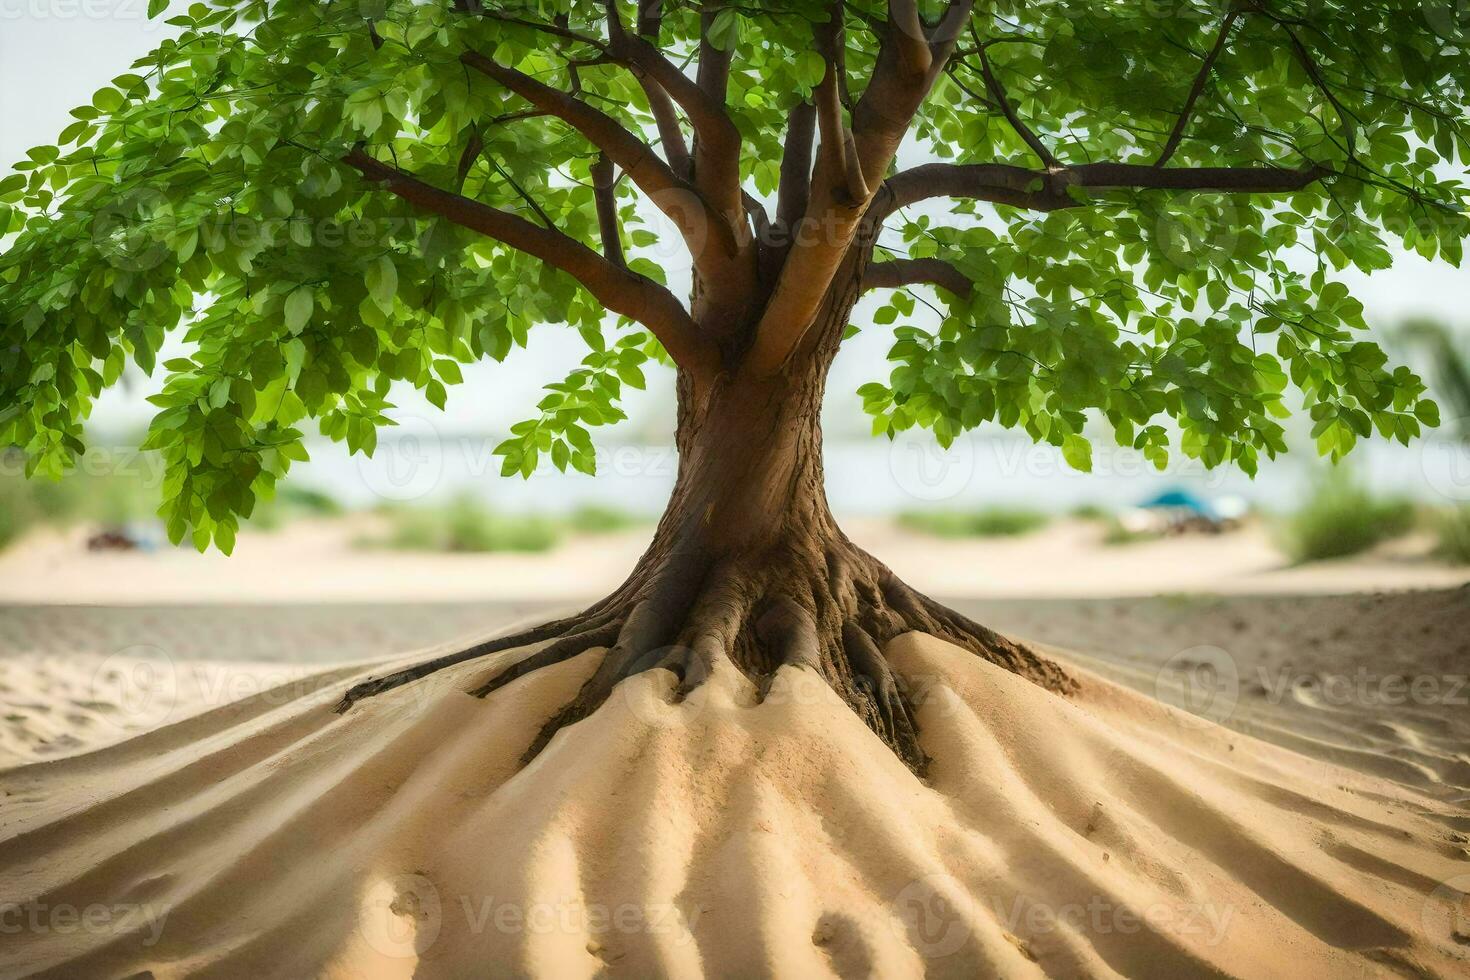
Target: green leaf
(1077,451)
(382,283)
(724,30)
(299,306)
(810,68)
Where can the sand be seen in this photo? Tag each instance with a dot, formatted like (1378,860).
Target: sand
(1102,835)
(55,705)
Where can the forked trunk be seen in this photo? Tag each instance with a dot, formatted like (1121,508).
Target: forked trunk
(748,565)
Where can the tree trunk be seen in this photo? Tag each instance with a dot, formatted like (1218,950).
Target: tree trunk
(747,564)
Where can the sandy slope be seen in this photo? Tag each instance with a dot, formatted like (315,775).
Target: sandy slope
(1103,835)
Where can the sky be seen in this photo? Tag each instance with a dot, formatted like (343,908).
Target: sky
(55,53)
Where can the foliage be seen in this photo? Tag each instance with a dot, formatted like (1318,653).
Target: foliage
(1342,517)
(463,525)
(993,522)
(207,192)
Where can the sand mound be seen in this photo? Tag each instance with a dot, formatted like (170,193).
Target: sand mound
(1103,835)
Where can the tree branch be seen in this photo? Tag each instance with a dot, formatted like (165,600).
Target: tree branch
(907,30)
(604,187)
(713,74)
(796,166)
(617,289)
(650,18)
(717,141)
(1314,71)
(671,135)
(672,195)
(916,272)
(1047,190)
(880,119)
(838,146)
(1182,123)
(998,93)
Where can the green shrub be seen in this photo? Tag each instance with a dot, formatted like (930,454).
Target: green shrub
(78,497)
(293,503)
(596,519)
(1453,527)
(1090,512)
(463,525)
(1342,517)
(989,523)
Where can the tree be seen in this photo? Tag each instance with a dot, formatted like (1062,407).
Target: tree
(1130,213)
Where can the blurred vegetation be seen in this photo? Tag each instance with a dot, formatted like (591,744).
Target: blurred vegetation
(463,525)
(293,503)
(1453,531)
(116,488)
(1090,512)
(597,519)
(83,495)
(992,522)
(1343,517)
(1116,533)
(1449,368)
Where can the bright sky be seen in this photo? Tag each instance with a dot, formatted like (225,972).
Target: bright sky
(55,53)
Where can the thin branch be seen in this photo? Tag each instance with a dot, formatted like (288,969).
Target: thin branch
(604,188)
(670,134)
(838,146)
(1182,123)
(521,193)
(555,30)
(1047,190)
(472,150)
(671,194)
(796,165)
(713,74)
(619,290)
(997,92)
(1309,64)
(650,18)
(899,273)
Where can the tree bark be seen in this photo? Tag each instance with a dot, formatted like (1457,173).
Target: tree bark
(748,565)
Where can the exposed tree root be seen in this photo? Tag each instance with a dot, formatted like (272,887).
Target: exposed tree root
(829,610)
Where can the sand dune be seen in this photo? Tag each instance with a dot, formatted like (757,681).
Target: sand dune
(1103,835)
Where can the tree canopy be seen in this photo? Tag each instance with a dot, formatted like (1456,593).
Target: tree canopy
(1124,211)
